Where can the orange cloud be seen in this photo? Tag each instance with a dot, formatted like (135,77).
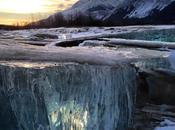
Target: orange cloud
(21,10)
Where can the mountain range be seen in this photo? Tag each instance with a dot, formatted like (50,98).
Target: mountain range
(113,12)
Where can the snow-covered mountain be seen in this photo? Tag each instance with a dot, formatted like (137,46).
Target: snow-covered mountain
(96,8)
(115,12)
(144,12)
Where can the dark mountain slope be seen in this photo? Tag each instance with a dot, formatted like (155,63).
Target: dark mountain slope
(113,12)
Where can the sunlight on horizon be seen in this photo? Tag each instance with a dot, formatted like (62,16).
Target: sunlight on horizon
(22,6)
(21,10)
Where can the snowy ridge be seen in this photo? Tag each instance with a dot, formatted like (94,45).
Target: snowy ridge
(140,9)
(90,7)
(115,12)
(143,8)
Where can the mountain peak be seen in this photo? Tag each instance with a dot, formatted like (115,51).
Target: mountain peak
(115,12)
(88,7)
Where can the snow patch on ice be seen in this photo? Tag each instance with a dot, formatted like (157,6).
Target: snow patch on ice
(166,128)
(172,59)
(166,125)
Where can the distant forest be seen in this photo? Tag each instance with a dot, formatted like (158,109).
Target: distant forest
(10,27)
(59,21)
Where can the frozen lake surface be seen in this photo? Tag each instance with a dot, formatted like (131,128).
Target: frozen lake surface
(34,56)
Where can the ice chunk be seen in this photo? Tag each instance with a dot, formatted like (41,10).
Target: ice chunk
(166,125)
(172,58)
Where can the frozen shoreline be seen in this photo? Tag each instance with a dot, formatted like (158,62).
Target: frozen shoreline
(15,50)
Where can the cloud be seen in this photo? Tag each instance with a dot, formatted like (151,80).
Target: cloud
(56,5)
(13,18)
(10,6)
(9,16)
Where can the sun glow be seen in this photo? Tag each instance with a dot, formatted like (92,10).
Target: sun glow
(22,6)
(17,11)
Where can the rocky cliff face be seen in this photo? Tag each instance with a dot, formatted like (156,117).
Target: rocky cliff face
(115,12)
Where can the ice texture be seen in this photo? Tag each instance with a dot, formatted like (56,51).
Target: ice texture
(172,59)
(67,97)
(166,125)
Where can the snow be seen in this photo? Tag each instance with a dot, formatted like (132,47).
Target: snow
(172,58)
(166,128)
(166,125)
(83,7)
(109,56)
(143,9)
(112,12)
(66,33)
(167,122)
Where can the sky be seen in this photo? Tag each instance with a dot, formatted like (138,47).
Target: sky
(14,12)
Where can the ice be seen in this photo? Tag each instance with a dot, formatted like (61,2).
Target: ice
(166,125)
(67,97)
(167,122)
(172,59)
(166,128)
(67,33)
